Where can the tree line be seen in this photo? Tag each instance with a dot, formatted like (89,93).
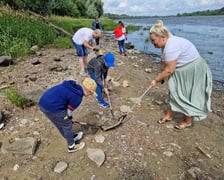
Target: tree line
(197,13)
(205,13)
(72,8)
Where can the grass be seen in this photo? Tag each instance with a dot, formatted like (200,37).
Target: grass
(62,42)
(15,98)
(20,31)
(132,28)
(71,25)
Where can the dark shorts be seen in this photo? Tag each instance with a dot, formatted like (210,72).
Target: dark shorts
(81,50)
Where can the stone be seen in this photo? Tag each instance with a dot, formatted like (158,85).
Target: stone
(129,45)
(194,172)
(135,100)
(115,84)
(125,84)
(57,58)
(5,60)
(35,61)
(38,53)
(148,70)
(15,167)
(33,93)
(168,153)
(125,109)
(96,155)
(60,167)
(20,146)
(99,139)
(34,48)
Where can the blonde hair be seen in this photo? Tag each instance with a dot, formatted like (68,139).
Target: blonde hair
(159,29)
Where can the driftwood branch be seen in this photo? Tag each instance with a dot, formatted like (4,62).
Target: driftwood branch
(49,23)
(60,29)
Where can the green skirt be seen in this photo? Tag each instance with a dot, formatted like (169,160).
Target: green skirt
(190,89)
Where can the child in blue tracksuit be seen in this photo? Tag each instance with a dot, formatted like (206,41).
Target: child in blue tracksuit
(58,103)
(97,69)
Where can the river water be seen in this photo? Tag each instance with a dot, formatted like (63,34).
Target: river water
(206,32)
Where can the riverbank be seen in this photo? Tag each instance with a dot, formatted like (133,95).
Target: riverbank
(138,149)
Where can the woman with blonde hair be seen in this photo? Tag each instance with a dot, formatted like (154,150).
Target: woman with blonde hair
(189,77)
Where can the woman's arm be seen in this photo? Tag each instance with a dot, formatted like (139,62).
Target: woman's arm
(169,68)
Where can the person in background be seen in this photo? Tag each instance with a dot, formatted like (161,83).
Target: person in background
(189,77)
(58,103)
(98,68)
(82,39)
(121,36)
(97,25)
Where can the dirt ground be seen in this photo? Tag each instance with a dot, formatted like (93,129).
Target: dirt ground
(138,149)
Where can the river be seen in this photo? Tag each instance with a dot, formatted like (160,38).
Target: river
(206,32)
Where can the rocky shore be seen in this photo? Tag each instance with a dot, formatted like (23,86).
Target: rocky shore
(139,148)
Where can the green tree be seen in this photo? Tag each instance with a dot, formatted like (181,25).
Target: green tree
(73,8)
(75,12)
(91,9)
(38,6)
(94,8)
(62,7)
(81,7)
(204,13)
(99,7)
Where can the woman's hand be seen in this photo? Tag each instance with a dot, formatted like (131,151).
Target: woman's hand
(168,70)
(153,83)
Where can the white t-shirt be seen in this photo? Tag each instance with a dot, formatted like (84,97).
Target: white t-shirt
(83,34)
(179,49)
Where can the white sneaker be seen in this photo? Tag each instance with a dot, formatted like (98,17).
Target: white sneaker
(78,136)
(76,147)
(1,125)
(83,73)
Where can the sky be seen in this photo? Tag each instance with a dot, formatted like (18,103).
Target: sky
(159,7)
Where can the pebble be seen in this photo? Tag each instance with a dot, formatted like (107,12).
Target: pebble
(60,167)
(15,167)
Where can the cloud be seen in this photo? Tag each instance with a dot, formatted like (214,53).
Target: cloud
(159,7)
(122,5)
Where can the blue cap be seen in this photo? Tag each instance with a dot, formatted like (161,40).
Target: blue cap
(109,58)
